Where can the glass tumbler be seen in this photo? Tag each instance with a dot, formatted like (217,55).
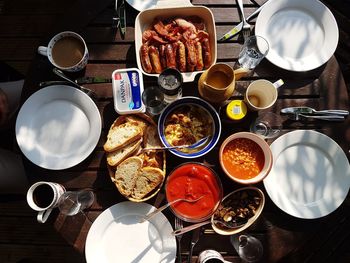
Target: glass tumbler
(255,48)
(248,247)
(73,202)
(153,98)
(268,125)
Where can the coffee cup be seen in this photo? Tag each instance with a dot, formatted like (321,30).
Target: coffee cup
(210,256)
(43,197)
(66,51)
(262,94)
(217,83)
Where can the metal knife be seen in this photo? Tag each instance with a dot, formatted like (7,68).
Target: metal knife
(194,240)
(89,80)
(122,17)
(234,31)
(308,110)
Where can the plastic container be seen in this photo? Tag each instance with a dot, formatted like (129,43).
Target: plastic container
(236,110)
(127,91)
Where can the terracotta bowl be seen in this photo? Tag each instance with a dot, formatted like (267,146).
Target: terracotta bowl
(251,220)
(267,155)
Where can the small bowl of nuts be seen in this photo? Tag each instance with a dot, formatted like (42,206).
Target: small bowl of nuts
(238,210)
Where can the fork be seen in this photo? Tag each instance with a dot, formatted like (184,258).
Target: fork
(178,225)
(246,25)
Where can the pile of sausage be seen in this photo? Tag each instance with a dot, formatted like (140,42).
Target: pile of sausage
(175,43)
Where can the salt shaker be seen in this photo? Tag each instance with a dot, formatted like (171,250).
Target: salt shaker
(170,82)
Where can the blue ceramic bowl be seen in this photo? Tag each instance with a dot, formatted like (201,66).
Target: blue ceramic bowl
(187,101)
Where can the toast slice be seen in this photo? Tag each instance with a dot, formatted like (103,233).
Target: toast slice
(121,135)
(126,174)
(147,181)
(137,121)
(116,157)
(151,138)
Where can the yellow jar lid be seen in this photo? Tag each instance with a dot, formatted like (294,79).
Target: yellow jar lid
(236,110)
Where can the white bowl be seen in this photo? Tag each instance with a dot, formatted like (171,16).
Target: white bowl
(169,9)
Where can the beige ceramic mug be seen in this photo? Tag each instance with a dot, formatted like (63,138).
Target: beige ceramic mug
(217,83)
(43,197)
(66,51)
(262,94)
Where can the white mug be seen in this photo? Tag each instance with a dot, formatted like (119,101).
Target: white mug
(67,51)
(210,255)
(262,94)
(43,197)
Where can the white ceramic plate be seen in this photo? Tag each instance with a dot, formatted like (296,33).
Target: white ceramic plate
(302,35)
(141,5)
(58,127)
(117,236)
(310,177)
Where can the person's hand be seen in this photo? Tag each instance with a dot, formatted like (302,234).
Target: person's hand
(4,107)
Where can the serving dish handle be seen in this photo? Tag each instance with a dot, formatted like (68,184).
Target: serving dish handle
(172,3)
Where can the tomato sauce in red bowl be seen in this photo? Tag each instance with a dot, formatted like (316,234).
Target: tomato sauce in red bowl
(191,181)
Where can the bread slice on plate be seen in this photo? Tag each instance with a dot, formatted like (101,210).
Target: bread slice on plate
(126,174)
(151,138)
(119,155)
(121,135)
(147,181)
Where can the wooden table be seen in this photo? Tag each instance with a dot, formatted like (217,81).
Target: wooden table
(285,238)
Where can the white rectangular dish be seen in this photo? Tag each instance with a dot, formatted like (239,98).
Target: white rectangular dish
(175,8)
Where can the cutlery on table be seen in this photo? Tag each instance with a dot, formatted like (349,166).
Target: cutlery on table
(89,92)
(191,146)
(115,18)
(178,225)
(246,25)
(90,80)
(296,117)
(194,240)
(231,225)
(122,17)
(234,31)
(160,209)
(308,110)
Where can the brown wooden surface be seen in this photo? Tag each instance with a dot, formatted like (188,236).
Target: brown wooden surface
(285,239)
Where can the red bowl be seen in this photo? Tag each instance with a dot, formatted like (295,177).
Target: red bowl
(192,180)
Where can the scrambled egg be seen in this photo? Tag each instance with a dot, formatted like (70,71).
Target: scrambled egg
(187,125)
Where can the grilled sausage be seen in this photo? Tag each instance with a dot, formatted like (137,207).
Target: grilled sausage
(199,65)
(206,53)
(145,60)
(191,56)
(181,56)
(170,56)
(162,56)
(155,60)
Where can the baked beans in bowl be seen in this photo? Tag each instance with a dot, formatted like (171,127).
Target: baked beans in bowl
(245,157)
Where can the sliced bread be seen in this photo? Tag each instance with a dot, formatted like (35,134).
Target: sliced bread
(137,121)
(116,157)
(121,135)
(126,174)
(151,138)
(147,181)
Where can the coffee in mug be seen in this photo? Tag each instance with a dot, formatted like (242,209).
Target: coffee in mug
(43,197)
(66,51)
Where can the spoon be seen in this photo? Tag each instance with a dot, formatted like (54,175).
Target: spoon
(191,146)
(147,217)
(230,225)
(89,92)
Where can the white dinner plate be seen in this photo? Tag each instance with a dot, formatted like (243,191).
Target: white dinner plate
(310,177)
(117,236)
(58,127)
(141,5)
(302,35)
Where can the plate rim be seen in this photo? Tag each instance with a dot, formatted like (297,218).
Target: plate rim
(326,54)
(97,126)
(136,206)
(276,194)
(138,8)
